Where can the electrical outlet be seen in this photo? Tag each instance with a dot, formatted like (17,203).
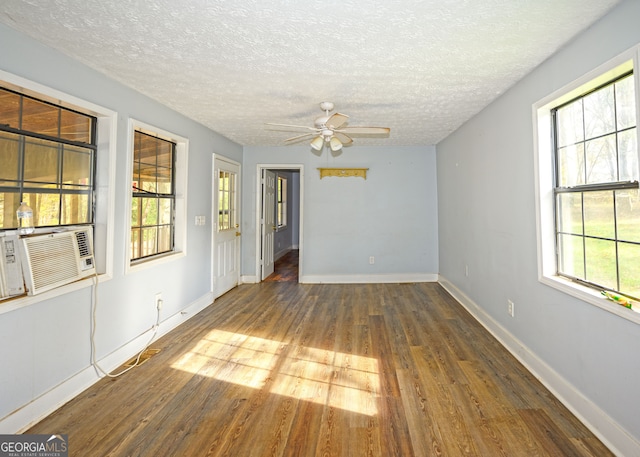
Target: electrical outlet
(158,301)
(372,260)
(511,308)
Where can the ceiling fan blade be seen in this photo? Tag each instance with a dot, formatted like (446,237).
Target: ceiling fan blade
(294,126)
(336,120)
(344,139)
(366,130)
(299,137)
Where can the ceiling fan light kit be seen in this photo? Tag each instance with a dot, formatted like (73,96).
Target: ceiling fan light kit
(317,143)
(332,130)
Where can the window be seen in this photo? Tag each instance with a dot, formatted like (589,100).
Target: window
(36,119)
(153,198)
(227,215)
(47,159)
(158,190)
(588,200)
(281,202)
(596,189)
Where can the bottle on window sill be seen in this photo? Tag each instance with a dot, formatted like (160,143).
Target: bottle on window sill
(25,219)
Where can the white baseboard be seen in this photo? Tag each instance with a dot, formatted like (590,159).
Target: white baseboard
(612,434)
(369,279)
(249,279)
(39,408)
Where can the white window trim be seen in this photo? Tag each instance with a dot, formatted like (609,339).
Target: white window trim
(106,131)
(544,179)
(285,201)
(180,229)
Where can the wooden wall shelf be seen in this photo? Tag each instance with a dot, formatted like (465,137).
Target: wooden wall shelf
(343,172)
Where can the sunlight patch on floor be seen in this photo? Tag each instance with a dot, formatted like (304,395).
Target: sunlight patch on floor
(337,379)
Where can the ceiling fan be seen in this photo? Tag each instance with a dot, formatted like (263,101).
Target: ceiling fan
(332,130)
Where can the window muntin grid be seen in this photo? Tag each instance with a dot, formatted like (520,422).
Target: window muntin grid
(47,159)
(596,190)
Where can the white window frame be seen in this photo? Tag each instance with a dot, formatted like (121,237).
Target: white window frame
(285,211)
(180,227)
(544,177)
(106,138)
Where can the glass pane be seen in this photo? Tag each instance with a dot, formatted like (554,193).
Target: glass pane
(146,152)
(598,214)
(135,211)
(164,238)
(41,161)
(601,263)
(149,211)
(569,123)
(46,208)
(75,209)
(9,202)
(571,165)
(625,103)
(602,164)
(599,113)
(165,154)
(9,109)
(165,206)
(628,215)
(75,126)
(135,243)
(8,159)
(164,181)
(571,256)
(570,213)
(40,117)
(77,166)
(628,155)
(147,180)
(149,241)
(628,255)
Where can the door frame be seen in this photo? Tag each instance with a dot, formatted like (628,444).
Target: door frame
(214,217)
(258,243)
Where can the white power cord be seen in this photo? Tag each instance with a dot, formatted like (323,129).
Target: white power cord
(94,362)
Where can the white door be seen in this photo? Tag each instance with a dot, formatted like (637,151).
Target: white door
(226,225)
(268,221)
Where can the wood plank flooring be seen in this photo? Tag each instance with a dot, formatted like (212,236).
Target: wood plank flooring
(286,267)
(288,369)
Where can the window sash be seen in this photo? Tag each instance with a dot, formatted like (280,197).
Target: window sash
(590,244)
(153,197)
(47,157)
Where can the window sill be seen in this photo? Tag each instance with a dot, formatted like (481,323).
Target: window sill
(154,261)
(592,297)
(21,301)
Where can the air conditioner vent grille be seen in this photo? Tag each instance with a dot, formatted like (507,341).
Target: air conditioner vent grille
(56,259)
(52,261)
(83,244)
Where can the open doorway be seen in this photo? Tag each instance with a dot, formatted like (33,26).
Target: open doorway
(279,246)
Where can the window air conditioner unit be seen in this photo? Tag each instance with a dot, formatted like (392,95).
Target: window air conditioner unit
(56,259)
(11,282)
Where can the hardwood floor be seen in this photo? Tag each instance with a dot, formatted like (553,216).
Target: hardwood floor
(288,369)
(286,268)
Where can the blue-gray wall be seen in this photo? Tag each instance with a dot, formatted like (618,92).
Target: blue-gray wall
(45,346)
(487,221)
(392,215)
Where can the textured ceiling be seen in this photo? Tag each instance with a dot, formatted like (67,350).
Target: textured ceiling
(420,67)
